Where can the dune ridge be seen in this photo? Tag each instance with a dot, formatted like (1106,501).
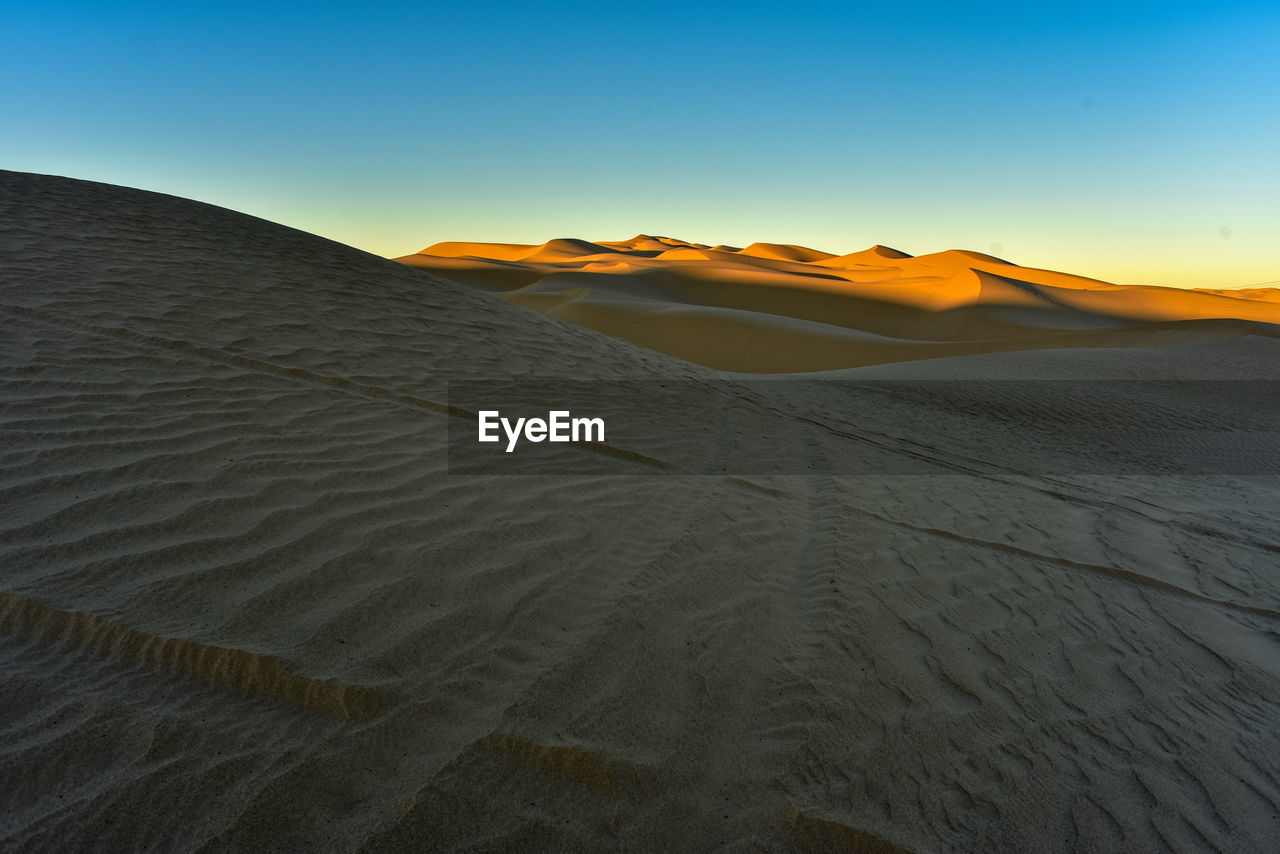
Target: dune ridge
(246,672)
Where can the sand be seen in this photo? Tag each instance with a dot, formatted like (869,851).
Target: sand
(245,606)
(771,308)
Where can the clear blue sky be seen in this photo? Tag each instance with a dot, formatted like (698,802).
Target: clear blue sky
(1135,142)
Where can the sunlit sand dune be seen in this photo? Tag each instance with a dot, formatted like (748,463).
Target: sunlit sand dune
(246,606)
(715,306)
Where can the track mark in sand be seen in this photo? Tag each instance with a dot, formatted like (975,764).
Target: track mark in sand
(1216,534)
(816,834)
(249,673)
(994,472)
(1110,571)
(570,761)
(821,492)
(304,375)
(796,635)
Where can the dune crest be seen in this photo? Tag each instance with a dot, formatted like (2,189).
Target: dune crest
(871,257)
(786,252)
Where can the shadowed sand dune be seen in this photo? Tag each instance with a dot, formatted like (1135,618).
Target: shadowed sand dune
(245,606)
(735,309)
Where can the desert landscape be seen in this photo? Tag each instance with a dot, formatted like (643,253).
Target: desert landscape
(247,606)
(770,308)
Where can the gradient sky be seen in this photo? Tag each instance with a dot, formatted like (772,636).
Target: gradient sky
(1133,142)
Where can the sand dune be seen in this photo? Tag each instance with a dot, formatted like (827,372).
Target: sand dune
(785,252)
(246,606)
(715,304)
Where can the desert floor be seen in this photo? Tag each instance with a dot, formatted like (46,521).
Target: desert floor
(246,606)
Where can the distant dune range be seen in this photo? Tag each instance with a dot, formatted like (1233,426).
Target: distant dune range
(245,606)
(776,308)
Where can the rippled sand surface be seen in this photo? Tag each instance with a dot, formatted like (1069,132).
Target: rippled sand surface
(244,606)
